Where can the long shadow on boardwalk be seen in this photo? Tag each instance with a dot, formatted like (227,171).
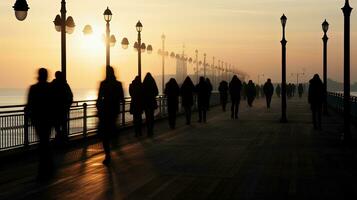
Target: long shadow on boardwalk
(254,157)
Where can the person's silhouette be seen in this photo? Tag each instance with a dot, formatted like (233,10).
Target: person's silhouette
(235,87)
(150,104)
(268,91)
(244,91)
(110,97)
(202,90)
(278,90)
(257,91)
(251,93)
(62,101)
(223,93)
(38,109)
(316,98)
(172,92)
(186,91)
(136,104)
(210,88)
(300,90)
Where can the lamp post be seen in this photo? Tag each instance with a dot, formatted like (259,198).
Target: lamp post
(297,77)
(197,78)
(109,40)
(260,75)
(283,42)
(141,47)
(325,26)
(204,65)
(226,72)
(163,54)
(212,68)
(347,88)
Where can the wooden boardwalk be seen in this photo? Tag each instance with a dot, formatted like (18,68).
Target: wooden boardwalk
(255,157)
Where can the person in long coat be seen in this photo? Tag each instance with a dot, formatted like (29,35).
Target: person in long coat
(150,104)
(136,104)
(316,99)
(172,92)
(235,88)
(223,93)
(187,89)
(202,90)
(110,98)
(251,93)
(268,91)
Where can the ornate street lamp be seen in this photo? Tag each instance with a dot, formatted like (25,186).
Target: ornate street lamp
(141,47)
(325,26)
(283,42)
(108,39)
(197,63)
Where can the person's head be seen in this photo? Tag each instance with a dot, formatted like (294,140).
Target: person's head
(202,79)
(137,79)
(42,75)
(59,76)
(207,80)
(235,78)
(250,82)
(269,80)
(316,76)
(110,73)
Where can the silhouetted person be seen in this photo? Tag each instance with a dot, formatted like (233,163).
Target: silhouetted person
(38,109)
(150,104)
(278,90)
(316,98)
(244,91)
(300,90)
(187,90)
(251,93)
(223,93)
(136,104)
(293,88)
(210,88)
(268,91)
(62,101)
(172,92)
(110,97)
(235,87)
(202,90)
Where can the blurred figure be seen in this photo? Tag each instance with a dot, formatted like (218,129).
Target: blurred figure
(38,109)
(293,89)
(202,90)
(62,99)
(316,98)
(257,91)
(210,88)
(235,87)
(186,91)
(278,90)
(110,96)
(300,90)
(223,93)
(150,104)
(251,93)
(136,104)
(172,92)
(268,91)
(244,91)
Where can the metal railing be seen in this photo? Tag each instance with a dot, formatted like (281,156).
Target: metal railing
(335,101)
(16,130)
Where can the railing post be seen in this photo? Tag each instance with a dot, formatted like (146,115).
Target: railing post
(26,129)
(85,120)
(123,113)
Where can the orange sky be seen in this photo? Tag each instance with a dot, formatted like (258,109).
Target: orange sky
(243,33)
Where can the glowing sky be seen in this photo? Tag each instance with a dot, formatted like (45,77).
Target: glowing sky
(245,33)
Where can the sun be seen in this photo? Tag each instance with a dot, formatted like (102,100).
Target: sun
(93,43)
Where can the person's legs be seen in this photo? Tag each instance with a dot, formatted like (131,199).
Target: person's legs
(45,168)
(313,109)
(236,110)
(149,114)
(137,118)
(319,113)
(204,115)
(232,109)
(200,113)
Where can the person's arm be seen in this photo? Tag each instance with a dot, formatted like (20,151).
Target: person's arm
(100,97)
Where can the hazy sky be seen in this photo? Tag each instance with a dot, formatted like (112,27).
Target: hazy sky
(245,33)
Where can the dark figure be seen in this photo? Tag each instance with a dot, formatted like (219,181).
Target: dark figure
(278,90)
(172,92)
(136,104)
(268,91)
(293,88)
(223,92)
(235,88)
(62,101)
(244,91)
(110,96)
(316,98)
(150,104)
(251,93)
(202,90)
(38,109)
(300,90)
(187,90)
(210,88)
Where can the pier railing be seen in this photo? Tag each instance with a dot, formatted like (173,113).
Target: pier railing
(335,101)
(16,130)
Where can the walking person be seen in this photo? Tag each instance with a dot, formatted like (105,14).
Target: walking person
(235,87)
(136,104)
(150,104)
(38,108)
(62,101)
(110,96)
(202,90)
(300,90)
(172,92)
(268,91)
(251,93)
(187,89)
(316,98)
(223,93)
(278,90)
